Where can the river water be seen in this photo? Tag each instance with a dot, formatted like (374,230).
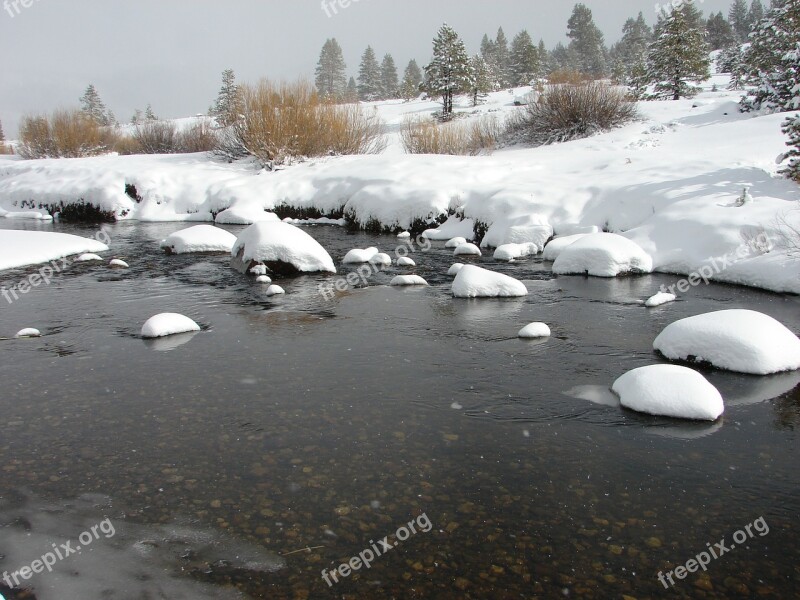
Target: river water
(304,421)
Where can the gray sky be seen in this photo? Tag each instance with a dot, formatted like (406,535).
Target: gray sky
(171,52)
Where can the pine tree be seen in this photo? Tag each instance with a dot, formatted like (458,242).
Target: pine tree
(137,117)
(679,55)
(351,95)
(772,62)
(544,59)
(389,83)
(2,134)
(226,108)
(482,82)
(412,78)
(489,53)
(331,80)
(448,73)
(738,18)
(629,55)
(369,77)
(720,32)
(564,58)
(791,127)
(731,60)
(502,66)
(149,115)
(93,107)
(587,42)
(524,59)
(755,14)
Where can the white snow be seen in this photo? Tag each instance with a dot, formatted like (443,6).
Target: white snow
(263,279)
(453,227)
(455,242)
(200,238)
(511,252)
(467,250)
(659,299)
(23,248)
(603,255)
(88,257)
(556,246)
(245,215)
(534,330)
(455,268)
(258,270)
(739,340)
(404,261)
(402,280)
(28,332)
(521,229)
(669,391)
(403,235)
(276,241)
(477,282)
(319,221)
(118,263)
(359,256)
(25,214)
(275,290)
(381,259)
(166,324)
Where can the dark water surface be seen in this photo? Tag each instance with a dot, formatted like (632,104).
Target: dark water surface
(296,421)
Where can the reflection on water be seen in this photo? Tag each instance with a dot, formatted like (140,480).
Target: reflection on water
(298,422)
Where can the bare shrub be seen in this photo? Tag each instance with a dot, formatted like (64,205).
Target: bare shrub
(157,137)
(788,228)
(127,144)
(568,77)
(65,134)
(463,138)
(199,137)
(567,112)
(285,121)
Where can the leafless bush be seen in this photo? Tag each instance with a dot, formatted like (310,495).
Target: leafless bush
(157,137)
(199,137)
(573,111)
(65,134)
(464,138)
(568,77)
(788,227)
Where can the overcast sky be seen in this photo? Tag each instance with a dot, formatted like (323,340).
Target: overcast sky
(171,52)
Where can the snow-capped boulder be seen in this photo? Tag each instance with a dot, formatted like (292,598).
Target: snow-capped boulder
(525,229)
(455,242)
(275,290)
(403,280)
(28,332)
(534,331)
(168,324)
(739,340)
(358,256)
(556,246)
(381,260)
(88,257)
(263,279)
(669,391)
(404,261)
(245,215)
(403,235)
(603,255)
(258,270)
(476,282)
(511,252)
(200,238)
(467,250)
(453,270)
(453,227)
(659,299)
(283,248)
(117,263)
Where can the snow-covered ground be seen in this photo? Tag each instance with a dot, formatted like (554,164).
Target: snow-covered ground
(668,182)
(23,248)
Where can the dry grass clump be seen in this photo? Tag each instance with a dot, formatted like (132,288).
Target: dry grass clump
(460,138)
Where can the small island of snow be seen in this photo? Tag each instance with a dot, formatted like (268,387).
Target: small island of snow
(168,324)
(283,248)
(200,238)
(602,255)
(477,282)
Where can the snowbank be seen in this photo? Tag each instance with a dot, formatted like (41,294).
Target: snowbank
(283,248)
(603,255)
(739,340)
(245,215)
(524,229)
(669,391)
(200,238)
(168,324)
(23,248)
(476,282)
(452,228)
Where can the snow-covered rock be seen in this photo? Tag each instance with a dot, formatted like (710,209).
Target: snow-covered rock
(524,229)
(23,248)
(453,227)
(669,391)
(168,324)
(603,255)
(275,290)
(263,279)
(359,256)
(467,250)
(556,245)
(88,257)
(283,248)
(117,263)
(403,235)
(659,299)
(258,270)
(534,330)
(455,242)
(28,332)
(402,280)
(200,238)
(404,261)
(739,340)
(245,215)
(381,259)
(511,252)
(455,268)
(476,282)
(33,215)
